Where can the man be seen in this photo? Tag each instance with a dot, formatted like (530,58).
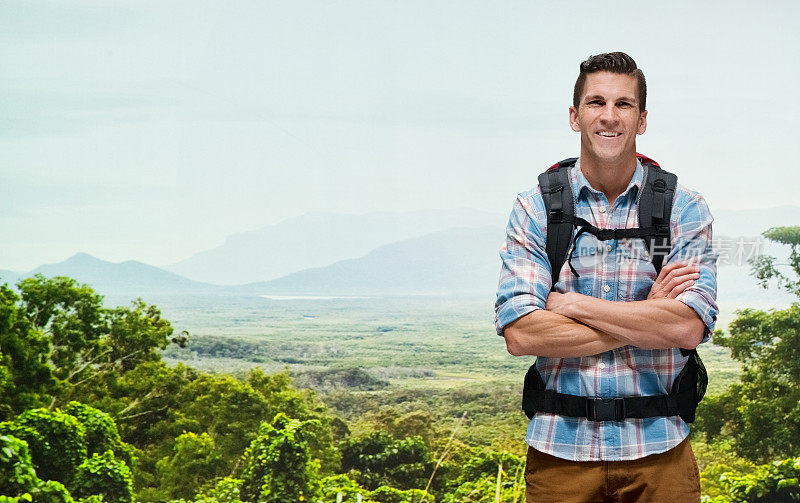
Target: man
(610,326)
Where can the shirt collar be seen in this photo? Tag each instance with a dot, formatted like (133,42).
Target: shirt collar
(582,185)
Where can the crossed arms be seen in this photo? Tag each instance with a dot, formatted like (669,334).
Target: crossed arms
(574,325)
(679,311)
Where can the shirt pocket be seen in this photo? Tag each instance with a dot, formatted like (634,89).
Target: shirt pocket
(636,271)
(587,257)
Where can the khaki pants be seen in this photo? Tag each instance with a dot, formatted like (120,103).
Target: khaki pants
(670,476)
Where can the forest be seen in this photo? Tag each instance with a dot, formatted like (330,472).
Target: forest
(101,404)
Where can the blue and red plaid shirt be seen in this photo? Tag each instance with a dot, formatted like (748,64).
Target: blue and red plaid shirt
(612,270)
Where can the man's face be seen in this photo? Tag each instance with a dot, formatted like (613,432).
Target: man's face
(608,117)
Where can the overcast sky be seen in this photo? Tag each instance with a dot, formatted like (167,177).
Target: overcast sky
(151,130)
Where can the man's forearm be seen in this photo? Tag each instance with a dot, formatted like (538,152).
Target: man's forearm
(544,333)
(650,324)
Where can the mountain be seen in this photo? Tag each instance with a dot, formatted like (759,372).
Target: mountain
(10,277)
(460,261)
(315,240)
(129,277)
(320,239)
(454,261)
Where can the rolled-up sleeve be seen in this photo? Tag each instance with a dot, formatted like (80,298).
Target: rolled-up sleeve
(692,241)
(525,278)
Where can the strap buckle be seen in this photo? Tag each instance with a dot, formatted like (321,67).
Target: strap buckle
(605,409)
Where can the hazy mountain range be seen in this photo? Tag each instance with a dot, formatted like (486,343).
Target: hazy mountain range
(315,240)
(390,253)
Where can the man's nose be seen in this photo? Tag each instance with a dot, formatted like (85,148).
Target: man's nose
(609,113)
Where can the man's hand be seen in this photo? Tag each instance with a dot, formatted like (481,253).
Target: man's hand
(556,302)
(673,280)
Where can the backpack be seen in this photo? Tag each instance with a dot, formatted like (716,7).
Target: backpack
(655,208)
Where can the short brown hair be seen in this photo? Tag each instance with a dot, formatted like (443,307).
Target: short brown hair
(614,62)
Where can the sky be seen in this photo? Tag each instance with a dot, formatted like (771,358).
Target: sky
(152,130)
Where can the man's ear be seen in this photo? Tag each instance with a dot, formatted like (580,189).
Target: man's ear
(642,123)
(573,119)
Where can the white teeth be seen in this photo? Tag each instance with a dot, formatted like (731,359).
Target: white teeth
(609,133)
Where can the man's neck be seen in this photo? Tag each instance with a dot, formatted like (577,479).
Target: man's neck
(609,178)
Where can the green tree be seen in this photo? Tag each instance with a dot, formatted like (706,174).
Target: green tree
(349,489)
(58,343)
(304,405)
(761,412)
(773,483)
(194,463)
(227,408)
(16,468)
(226,490)
(18,480)
(278,464)
(26,378)
(104,475)
(71,315)
(478,478)
(57,442)
(135,335)
(101,432)
(765,267)
(379,459)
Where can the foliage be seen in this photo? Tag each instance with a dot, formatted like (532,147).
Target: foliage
(135,335)
(386,494)
(16,469)
(226,490)
(773,483)
(26,378)
(304,405)
(85,343)
(379,459)
(400,424)
(18,480)
(334,485)
(278,465)
(331,378)
(761,413)
(765,267)
(72,317)
(478,478)
(714,459)
(103,474)
(57,442)
(101,432)
(195,462)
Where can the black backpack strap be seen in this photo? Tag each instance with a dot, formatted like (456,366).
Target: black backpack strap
(560,206)
(687,391)
(655,208)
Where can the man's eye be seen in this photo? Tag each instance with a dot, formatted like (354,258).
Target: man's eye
(625,105)
(595,102)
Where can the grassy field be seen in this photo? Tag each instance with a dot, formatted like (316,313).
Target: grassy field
(368,354)
(408,341)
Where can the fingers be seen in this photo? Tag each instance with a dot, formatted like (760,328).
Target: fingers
(679,289)
(678,280)
(680,269)
(674,279)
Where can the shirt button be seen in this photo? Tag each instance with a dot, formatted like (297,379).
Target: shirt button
(602,209)
(608,247)
(606,288)
(602,365)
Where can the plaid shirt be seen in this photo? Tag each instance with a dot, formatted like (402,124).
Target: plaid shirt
(612,270)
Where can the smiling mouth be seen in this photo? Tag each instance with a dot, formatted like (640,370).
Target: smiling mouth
(608,134)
